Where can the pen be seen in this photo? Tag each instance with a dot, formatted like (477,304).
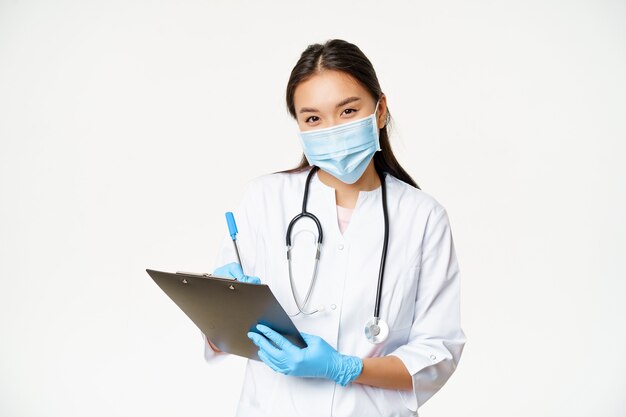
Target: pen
(232,229)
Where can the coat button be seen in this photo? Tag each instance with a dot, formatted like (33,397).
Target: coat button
(333,306)
(340,246)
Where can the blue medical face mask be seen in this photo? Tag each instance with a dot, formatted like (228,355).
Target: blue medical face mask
(345,150)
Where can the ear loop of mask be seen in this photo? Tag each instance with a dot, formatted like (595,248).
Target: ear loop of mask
(376,116)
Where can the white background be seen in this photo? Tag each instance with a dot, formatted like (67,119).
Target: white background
(128,128)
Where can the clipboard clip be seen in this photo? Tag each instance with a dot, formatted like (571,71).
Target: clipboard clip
(195,274)
(201,275)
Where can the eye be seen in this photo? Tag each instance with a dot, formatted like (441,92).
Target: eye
(349,111)
(311,119)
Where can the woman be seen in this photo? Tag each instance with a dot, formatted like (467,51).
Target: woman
(334,95)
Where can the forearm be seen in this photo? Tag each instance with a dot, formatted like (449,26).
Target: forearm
(385,372)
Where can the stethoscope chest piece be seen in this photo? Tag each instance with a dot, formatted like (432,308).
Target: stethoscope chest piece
(376,330)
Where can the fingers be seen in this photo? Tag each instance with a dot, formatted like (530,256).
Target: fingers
(264,344)
(268,361)
(232,270)
(235,271)
(307,337)
(250,279)
(221,271)
(275,337)
(254,280)
(270,355)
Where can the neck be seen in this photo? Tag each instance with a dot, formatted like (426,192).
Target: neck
(347,194)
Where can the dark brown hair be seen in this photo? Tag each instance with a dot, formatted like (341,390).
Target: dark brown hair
(339,55)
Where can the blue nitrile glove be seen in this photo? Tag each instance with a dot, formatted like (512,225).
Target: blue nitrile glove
(234,270)
(318,359)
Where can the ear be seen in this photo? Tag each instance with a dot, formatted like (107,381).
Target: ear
(381,117)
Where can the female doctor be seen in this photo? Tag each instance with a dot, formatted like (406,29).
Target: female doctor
(383,239)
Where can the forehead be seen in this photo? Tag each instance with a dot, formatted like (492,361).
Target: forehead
(327,88)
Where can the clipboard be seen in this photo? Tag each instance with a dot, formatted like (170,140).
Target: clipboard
(225,309)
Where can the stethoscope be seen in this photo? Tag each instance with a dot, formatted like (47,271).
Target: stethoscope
(376,330)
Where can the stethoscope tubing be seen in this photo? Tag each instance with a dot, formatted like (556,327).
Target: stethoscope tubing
(383,256)
(318,224)
(305,213)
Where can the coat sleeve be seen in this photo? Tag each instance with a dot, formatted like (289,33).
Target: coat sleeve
(246,217)
(436,340)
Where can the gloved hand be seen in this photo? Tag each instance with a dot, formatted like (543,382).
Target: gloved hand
(234,270)
(318,359)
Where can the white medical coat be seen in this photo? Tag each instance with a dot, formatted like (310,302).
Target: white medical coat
(420,294)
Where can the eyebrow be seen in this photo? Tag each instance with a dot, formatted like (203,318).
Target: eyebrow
(340,104)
